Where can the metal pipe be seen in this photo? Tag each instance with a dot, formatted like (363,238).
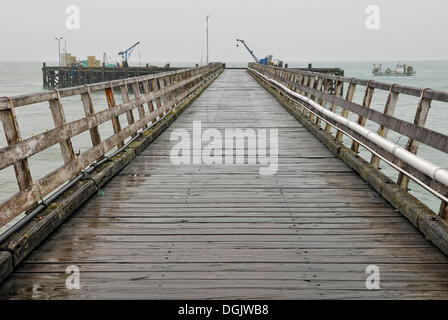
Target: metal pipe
(421,183)
(65,54)
(59,49)
(435,172)
(206,18)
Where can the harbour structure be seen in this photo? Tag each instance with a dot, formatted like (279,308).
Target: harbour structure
(76,75)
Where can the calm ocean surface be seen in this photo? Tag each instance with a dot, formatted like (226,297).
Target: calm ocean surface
(26,77)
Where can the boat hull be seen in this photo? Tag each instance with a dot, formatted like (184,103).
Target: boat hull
(390,74)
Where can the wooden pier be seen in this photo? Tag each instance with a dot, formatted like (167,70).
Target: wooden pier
(165,231)
(63,77)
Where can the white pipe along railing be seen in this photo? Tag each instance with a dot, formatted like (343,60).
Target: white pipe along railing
(431,170)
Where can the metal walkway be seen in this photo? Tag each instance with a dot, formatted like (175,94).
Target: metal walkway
(225,232)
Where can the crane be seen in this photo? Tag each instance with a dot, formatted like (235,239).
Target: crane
(108,62)
(126,54)
(250,51)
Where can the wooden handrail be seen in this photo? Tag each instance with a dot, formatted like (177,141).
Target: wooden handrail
(161,93)
(430,94)
(297,80)
(32,98)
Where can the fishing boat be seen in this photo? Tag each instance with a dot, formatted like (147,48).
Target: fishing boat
(400,70)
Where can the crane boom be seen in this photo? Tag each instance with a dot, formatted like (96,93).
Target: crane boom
(127,53)
(250,51)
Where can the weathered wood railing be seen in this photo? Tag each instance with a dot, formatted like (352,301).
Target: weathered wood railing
(161,93)
(317,86)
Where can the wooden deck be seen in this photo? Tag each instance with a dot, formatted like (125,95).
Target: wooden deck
(183,232)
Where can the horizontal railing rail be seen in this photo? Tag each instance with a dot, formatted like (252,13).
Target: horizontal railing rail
(314,98)
(32,98)
(153,97)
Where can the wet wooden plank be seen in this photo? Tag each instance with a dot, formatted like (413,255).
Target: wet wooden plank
(210,238)
(175,232)
(187,244)
(303,269)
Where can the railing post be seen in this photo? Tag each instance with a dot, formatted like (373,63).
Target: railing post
(322,102)
(165,96)
(345,112)
(368,95)
(309,84)
(389,110)
(125,96)
(12,133)
(284,78)
(412,146)
(185,77)
(311,80)
(181,79)
(59,120)
(115,120)
(304,83)
(155,88)
(147,92)
(190,84)
(170,93)
(443,213)
(337,92)
(87,102)
(297,78)
(174,92)
(291,77)
(137,95)
(177,91)
(320,81)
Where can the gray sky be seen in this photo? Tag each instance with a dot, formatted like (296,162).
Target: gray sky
(174,30)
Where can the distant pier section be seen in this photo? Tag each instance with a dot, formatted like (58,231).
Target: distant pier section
(76,75)
(63,77)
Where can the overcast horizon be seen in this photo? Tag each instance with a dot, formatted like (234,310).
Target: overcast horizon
(174,30)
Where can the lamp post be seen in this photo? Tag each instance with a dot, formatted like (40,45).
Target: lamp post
(206,19)
(65,52)
(59,48)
